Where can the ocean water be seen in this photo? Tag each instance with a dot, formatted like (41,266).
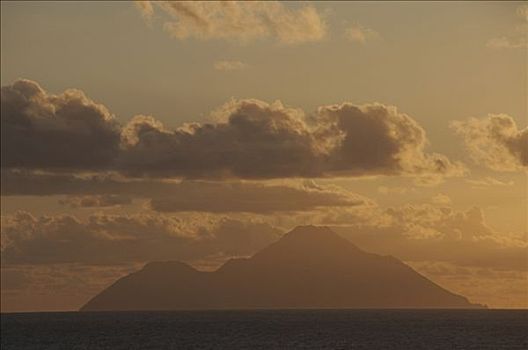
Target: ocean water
(268,329)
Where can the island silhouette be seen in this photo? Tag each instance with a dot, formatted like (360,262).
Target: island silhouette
(308,267)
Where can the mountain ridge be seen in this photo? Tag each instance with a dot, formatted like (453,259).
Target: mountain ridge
(308,267)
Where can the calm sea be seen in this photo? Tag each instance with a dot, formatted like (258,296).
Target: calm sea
(285,329)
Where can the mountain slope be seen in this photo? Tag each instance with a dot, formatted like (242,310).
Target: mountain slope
(309,267)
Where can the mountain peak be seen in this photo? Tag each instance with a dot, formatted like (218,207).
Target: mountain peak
(309,243)
(310,230)
(315,237)
(167,266)
(309,267)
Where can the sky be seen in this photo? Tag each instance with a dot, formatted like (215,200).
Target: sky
(142,131)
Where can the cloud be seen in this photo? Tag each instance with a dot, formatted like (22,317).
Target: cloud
(379,139)
(441,199)
(392,190)
(251,139)
(14,280)
(238,21)
(254,198)
(119,239)
(488,181)
(145,8)
(227,66)
(412,233)
(522,12)
(495,288)
(56,287)
(507,42)
(16,182)
(181,196)
(360,34)
(423,232)
(495,141)
(70,256)
(517,39)
(65,131)
(257,140)
(97,201)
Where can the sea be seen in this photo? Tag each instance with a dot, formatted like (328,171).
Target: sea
(268,329)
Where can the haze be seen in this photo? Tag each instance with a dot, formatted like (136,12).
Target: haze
(199,132)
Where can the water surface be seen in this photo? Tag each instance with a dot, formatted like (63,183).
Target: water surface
(269,329)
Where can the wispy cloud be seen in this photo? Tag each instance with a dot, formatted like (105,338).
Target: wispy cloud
(225,65)
(507,42)
(392,190)
(489,181)
(495,141)
(441,199)
(517,39)
(360,34)
(238,21)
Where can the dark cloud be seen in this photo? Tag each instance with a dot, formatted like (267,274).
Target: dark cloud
(254,198)
(256,140)
(28,183)
(495,141)
(250,140)
(171,196)
(65,131)
(379,139)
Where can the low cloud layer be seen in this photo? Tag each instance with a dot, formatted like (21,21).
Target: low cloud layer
(118,239)
(59,287)
(411,233)
(424,232)
(495,288)
(71,256)
(255,198)
(251,140)
(237,21)
(495,141)
(174,196)
(97,201)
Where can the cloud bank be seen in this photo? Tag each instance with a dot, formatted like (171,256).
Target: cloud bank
(117,239)
(76,255)
(412,233)
(251,140)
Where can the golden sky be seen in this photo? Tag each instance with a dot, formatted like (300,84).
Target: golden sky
(133,132)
